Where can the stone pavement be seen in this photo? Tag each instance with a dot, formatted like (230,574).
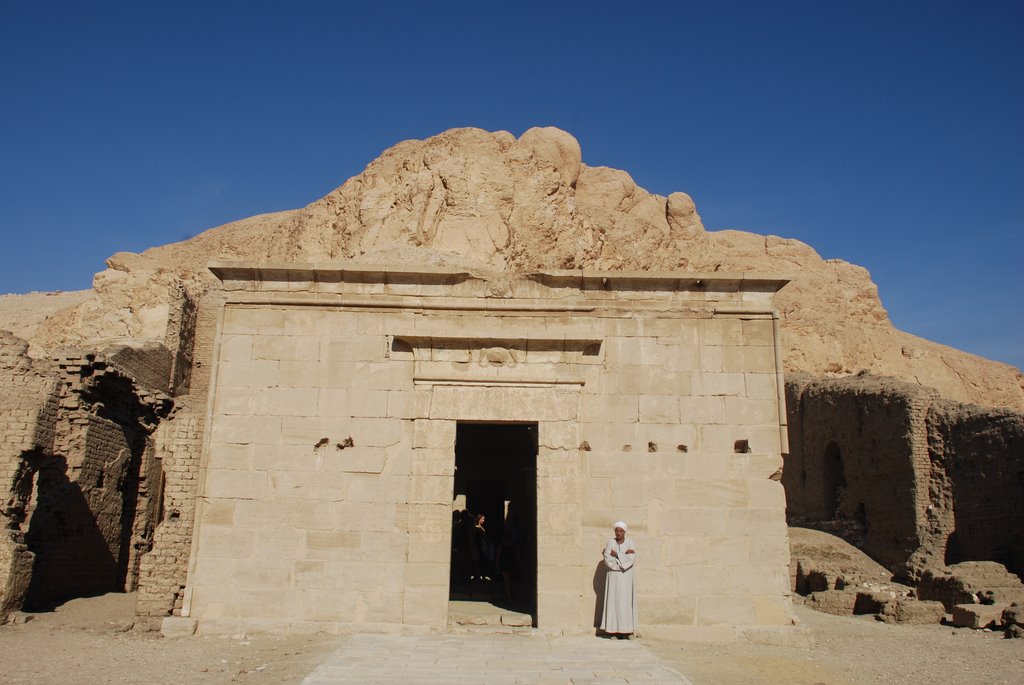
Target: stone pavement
(492,660)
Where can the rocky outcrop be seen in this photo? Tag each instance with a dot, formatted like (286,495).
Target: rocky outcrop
(491,201)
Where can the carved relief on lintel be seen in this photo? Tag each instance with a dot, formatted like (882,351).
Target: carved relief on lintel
(494,352)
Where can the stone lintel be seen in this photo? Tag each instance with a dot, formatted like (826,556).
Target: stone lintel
(308,277)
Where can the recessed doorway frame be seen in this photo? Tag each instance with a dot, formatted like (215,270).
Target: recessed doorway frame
(519,480)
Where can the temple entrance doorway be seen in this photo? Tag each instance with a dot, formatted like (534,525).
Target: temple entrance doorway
(494,558)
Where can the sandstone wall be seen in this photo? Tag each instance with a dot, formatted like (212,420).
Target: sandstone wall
(326,499)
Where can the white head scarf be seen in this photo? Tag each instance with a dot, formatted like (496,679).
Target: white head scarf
(620,524)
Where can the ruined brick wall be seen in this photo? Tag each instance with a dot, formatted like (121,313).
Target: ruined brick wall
(162,571)
(74,446)
(86,501)
(28,409)
(857,459)
(941,482)
(149,364)
(982,452)
(179,441)
(180,339)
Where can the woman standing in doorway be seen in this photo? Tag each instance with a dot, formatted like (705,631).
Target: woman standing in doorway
(481,549)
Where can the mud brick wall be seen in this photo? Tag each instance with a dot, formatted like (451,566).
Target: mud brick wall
(28,410)
(982,450)
(75,527)
(162,570)
(855,453)
(85,505)
(149,365)
(941,482)
(179,441)
(148,510)
(180,339)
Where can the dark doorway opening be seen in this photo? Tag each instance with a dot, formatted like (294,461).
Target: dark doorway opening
(494,565)
(834,485)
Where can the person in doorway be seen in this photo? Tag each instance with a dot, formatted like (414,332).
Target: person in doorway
(618,618)
(481,549)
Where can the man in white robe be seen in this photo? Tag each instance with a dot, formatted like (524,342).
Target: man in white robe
(619,616)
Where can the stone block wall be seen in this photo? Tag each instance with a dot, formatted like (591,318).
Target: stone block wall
(326,481)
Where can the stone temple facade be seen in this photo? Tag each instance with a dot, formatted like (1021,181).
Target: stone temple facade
(351,407)
(281,442)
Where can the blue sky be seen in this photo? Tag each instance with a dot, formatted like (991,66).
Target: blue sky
(888,134)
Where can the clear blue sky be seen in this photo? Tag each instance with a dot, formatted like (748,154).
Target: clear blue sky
(888,134)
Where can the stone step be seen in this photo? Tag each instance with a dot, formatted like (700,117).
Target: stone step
(466,615)
(492,630)
(511,619)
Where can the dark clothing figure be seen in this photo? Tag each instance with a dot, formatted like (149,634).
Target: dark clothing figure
(508,561)
(481,551)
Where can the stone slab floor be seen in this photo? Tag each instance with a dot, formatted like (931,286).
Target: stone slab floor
(492,660)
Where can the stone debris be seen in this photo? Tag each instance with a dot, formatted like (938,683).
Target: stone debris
(979,616)
(178,626)
(1013,615)
(822,561)
(907,610)
(836,602)
(971,582)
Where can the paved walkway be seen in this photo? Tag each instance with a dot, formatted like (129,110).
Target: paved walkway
(492,660)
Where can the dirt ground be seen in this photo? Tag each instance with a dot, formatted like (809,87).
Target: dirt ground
(855,650)
(91,641)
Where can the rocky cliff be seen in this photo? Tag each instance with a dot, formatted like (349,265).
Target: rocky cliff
(490,201)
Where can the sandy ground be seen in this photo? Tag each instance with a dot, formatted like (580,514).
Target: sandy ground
(855,650)
(90,641)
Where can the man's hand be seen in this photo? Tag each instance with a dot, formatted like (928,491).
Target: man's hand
(615,554)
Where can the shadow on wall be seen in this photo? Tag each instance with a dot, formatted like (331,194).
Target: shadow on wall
(72,556)
(599,575)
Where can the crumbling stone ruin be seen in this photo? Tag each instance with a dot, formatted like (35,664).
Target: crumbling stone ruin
(217,439)
(922,484)
(916,481)
(82,482)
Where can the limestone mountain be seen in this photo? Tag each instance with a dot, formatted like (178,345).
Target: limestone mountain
(491,202)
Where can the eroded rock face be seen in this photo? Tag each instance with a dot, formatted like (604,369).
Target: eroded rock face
(491,201)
